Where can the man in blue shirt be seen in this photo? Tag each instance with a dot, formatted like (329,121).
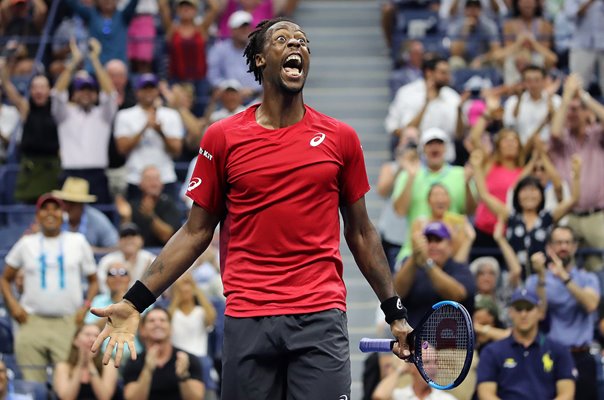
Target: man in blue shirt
(573,296)
(527,364)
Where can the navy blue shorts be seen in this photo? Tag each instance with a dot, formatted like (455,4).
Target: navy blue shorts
(287,357)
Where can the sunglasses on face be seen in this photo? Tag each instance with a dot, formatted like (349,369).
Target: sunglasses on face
(433,239)
(118,272)
(523,307)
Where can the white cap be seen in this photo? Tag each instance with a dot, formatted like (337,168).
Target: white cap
(230,84)
(239,18)
(433,134)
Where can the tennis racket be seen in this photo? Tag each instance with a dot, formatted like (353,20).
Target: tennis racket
(442,345)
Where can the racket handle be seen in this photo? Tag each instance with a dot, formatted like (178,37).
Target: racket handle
(376,345)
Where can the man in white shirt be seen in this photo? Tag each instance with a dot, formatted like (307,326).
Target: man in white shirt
(426,103)
(85,127)
(54,263)
(9,121)
(529,114)
(149,134)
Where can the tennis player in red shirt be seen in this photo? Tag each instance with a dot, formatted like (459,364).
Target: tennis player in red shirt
(275,176)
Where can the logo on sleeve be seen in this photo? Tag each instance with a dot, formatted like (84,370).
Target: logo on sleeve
(317,139)
(206,154)
(194,183)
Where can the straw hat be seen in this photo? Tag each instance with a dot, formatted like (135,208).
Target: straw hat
(76,190)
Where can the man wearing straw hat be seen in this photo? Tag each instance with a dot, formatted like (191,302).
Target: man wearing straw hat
(92,223)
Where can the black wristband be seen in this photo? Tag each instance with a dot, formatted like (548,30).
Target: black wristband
(567,281)
(393,309)
(140,296)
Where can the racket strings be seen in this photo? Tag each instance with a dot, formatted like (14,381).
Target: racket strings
(443,345)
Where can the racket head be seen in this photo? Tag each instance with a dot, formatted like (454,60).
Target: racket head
(443,345)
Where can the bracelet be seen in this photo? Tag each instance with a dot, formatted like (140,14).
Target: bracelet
(140,296)
(393,309)
(567,281)
(429,264)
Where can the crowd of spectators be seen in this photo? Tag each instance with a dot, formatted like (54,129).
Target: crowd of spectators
(492,196)
(493,191)
(102,107)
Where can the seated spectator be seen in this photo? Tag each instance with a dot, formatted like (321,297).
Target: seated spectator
(39,164)
(24,19)
(154,213)
(462,231)
(161,371)
(6,392)
(230,94)
(430,275)
(54,263)
(487,325)
(187,37)
(409,66)
(528,40)
(572,297)
(84,152)
(474,37)
(192,315)
(226,61)
(577,128)
(85,219)
(426,103)
(527,364)
(130,252)
(148,134)
(107,24)
(527,222)
(82,375)
(418,388)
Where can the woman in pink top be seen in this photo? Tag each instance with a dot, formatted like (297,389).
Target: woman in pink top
(502,169)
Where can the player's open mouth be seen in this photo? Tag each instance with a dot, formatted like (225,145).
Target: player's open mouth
(293,66)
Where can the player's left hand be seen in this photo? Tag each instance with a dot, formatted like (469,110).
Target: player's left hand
(400,329)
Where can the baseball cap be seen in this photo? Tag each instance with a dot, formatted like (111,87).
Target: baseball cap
(84,82)
(431,134)
(437,229)
(47,197)
(146,80)
(194,3)
(523,294)
(232,84)
(129,229)
(239,18)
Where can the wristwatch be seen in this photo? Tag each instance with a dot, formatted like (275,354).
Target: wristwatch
(429,264)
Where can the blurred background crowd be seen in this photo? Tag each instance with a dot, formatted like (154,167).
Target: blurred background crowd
(492,194)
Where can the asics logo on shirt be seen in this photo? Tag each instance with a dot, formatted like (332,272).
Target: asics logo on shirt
(194,183)
(317,139)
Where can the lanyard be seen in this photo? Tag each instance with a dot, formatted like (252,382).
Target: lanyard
(44,265)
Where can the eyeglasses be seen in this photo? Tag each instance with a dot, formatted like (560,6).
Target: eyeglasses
(523,307)
(561,242)
(434,239)
(540,169)
(117,272)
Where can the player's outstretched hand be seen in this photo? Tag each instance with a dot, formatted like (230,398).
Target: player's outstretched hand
(121,326)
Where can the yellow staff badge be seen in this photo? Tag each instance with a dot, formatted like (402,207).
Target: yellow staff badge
(548,363)
(509,363)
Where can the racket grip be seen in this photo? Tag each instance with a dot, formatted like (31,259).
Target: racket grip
(376,345)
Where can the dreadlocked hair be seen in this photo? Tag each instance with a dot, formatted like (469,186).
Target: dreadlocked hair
(255,44)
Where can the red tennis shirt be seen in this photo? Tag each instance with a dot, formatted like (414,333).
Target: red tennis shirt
(279,192)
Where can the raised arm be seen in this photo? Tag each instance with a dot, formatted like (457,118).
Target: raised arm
(365,245)
(509,255)
(571,86)
(64,80)
(11,91)
(496,206)
(567,204)
(411,168)
(105,83)
(175,258)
